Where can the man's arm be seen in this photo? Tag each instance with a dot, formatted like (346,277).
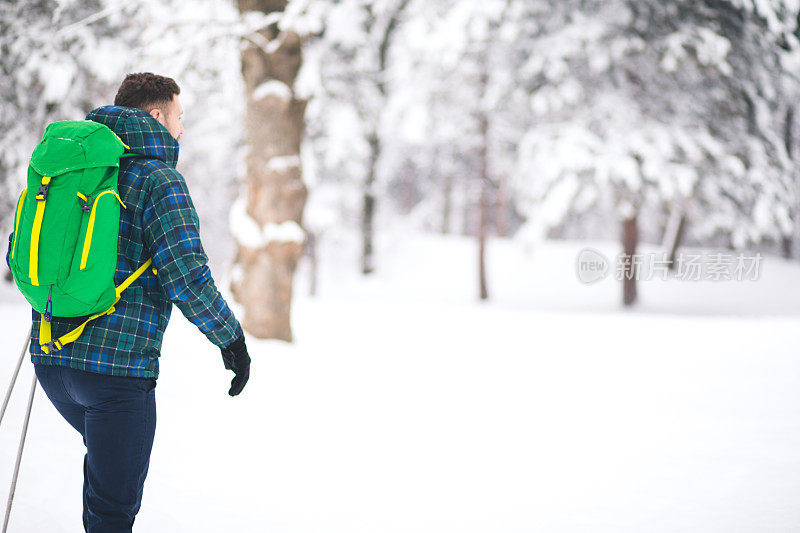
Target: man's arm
(171,232)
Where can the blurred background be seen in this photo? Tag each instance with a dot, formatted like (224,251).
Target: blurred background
(521,121)
(417,194)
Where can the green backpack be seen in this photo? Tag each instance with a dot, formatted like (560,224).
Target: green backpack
(64,247)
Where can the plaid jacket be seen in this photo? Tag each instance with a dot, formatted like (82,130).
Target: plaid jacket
(159,221)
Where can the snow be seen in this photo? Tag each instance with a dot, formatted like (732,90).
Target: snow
(253,21)
(283,163)
(249,233)
(303,16)
(289,231)
(244,229)
(272,88)
(712,49)
(58,79)
(404,405)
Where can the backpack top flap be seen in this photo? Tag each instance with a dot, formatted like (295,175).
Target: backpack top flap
(76,144)
(66,228)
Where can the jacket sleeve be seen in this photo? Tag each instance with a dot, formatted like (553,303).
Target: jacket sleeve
(171,234)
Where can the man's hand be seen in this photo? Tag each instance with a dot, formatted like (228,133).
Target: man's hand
(235,357)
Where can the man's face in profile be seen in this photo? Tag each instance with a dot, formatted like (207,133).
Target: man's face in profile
(170,117)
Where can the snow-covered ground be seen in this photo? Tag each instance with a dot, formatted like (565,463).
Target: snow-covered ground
(405,405)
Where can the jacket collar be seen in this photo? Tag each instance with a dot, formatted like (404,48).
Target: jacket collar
(140,131)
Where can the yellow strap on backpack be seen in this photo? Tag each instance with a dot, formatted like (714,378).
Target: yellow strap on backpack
(45,334)
(41,201)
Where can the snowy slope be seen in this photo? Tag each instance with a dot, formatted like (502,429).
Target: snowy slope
(405,406)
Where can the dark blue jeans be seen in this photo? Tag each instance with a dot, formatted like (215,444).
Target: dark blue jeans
(116,416)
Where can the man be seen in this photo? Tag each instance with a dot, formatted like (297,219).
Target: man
(103,384)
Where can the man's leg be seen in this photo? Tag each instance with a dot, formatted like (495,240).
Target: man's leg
(52,382)
(49,378)
(120,425)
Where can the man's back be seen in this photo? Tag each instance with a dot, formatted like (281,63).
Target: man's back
(159,221)
(104,383)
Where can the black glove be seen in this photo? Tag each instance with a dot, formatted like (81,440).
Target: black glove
(234,357)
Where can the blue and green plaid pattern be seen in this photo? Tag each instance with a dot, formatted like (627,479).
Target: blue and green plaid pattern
(159,221)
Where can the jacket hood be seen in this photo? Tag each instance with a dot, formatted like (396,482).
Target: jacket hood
(140,131)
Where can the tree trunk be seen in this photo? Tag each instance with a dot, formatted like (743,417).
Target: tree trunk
(501,207)
(447,207)
(483,207)
(786,246)
(276,194)
(484,290)
(311,251)
(630,239)
(467,217)
(790,243)
(673,235)
(368,216)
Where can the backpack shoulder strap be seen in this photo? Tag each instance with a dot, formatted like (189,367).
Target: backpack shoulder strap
(45,335)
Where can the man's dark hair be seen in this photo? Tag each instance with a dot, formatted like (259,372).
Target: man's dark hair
(146,91)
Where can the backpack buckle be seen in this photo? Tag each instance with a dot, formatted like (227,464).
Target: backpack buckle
(48,306)
(41,194)
(53,346)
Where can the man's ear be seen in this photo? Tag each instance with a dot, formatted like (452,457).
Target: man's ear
(155,113)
